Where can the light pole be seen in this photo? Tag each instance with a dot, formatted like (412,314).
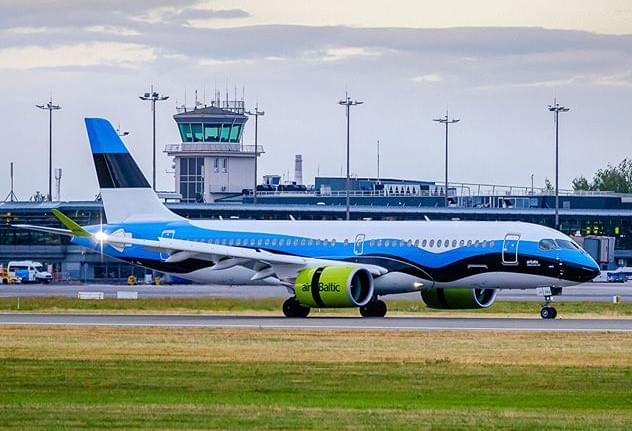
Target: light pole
(50,107)
(348,103)
(256,114)
(153,97)
(556,108)
(446,120)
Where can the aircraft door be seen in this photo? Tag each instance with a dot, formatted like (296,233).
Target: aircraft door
(358,245)
(510,249)
(170,233)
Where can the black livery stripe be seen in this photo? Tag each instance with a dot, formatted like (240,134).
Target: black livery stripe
(118,170)
(316,288)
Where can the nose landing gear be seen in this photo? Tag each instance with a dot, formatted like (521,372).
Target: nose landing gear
(547,311)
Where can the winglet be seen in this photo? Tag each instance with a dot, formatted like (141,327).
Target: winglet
(70,224)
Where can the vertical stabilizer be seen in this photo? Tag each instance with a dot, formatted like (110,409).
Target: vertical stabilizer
(126,194)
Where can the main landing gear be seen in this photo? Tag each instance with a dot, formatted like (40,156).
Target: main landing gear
(375,308)
(292,308)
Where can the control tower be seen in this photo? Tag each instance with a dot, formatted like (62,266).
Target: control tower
(211,162)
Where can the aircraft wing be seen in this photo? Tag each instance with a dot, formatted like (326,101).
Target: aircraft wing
(265,263)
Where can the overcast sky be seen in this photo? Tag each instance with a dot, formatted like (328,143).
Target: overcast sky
(495,65)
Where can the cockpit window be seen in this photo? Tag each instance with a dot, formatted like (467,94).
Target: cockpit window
(547,244)
(566,244)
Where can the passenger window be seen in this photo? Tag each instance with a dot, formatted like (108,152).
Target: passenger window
(416,243)
(295,242)
(333,242)
(303,242)
(439,243)
(484,243)
(453,243)
(424,243)
(547,244)
(371,243)
(431,243)
(267,241)
(387,243)
(469,242)
(318,243)
(446,243)
(492,243)
(461,243)
(379,243)
(281,242)
(274,242)
(410,243)
(476,243)
(346,242)
(259,242)
(238,241)
(310,242)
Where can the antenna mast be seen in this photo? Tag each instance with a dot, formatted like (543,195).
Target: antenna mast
(11,197)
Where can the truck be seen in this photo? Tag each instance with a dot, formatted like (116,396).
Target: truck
(29,271)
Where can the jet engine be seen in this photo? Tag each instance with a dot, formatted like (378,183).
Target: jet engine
(334,286)
(459,298)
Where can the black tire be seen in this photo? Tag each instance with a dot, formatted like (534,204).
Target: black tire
(292,308)
(546,313)
(380,308)
(375,308)
(553,313)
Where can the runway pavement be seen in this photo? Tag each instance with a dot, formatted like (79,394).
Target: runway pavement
(600,292)
(323,323)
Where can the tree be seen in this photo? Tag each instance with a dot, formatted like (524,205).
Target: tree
(616,179)
(581,184)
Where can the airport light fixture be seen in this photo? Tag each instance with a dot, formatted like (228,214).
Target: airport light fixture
(153,97)
(256,113)
(446,120)
(348,103)
(556,108)
(50,107)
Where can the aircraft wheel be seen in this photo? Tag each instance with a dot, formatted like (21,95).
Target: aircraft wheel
(292,308)
(548,313)
(375,308)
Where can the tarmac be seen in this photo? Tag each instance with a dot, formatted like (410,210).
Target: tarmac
(321,323)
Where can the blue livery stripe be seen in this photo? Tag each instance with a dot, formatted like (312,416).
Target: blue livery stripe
(103,138)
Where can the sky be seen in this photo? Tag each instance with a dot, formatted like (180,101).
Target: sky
(495,65)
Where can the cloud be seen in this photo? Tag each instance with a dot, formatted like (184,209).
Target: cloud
(428,78)
(78,55)
(115,30)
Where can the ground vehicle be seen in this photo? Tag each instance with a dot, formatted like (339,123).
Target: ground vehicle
(7,277)
(29,271)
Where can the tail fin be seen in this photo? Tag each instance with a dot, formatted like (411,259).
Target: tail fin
(126,194)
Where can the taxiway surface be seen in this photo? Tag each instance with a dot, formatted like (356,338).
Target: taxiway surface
(331,323)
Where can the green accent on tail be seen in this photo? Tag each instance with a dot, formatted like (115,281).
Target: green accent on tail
(70,224)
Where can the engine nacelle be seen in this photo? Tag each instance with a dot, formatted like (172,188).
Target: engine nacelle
(459,298)
(334,286)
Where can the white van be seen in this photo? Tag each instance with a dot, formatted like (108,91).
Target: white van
(29,271)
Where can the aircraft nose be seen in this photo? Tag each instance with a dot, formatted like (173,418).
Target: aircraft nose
(590,270)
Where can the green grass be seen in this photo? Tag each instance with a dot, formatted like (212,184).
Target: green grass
(53,394)
(273,305)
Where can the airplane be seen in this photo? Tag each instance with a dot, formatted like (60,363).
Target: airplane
(323,264)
